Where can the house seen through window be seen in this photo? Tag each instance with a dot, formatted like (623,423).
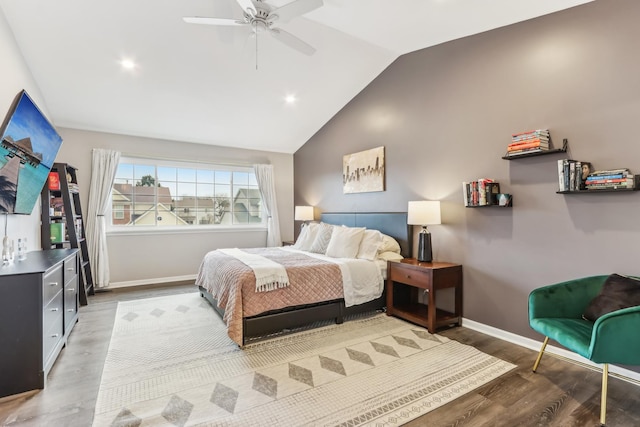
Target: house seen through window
(152,193)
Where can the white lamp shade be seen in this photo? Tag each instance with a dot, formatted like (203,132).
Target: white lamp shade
(303,213)
(424,212)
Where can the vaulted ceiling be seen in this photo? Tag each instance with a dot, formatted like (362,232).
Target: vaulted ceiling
(200,84)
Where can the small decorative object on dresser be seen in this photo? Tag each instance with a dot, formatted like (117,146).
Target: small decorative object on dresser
(407,278)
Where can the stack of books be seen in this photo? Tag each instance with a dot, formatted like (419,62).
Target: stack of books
(572,174)
(613,179)
(73,187)
(529,142)
(482,192)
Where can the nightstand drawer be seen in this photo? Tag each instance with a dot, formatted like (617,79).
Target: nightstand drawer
(410,276)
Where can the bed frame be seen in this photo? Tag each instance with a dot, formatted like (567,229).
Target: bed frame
(392,224)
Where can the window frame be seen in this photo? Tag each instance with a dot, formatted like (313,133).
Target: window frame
(114,229)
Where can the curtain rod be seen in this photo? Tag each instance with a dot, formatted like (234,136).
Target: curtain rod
(139,156)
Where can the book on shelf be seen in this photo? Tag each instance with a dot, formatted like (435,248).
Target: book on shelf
(572,174)
(56,206)
(515,153)
(561,186)
(58,232)
(53,181)
(544,133)
(623,171)
(73,187)
(465,193)
(599,177)
(528,141)
(532,144)
(78,227)
(481,192)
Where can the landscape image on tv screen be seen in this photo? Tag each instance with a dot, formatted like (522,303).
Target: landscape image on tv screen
(28,148)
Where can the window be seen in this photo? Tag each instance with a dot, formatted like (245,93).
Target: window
(154,193)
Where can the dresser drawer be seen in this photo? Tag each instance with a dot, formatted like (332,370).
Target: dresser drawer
(51,284)
(52,311)
(70,303)
(50,340)
(52,322)
(410,276)
(70,268)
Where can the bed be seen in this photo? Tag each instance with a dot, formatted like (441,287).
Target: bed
(297,311)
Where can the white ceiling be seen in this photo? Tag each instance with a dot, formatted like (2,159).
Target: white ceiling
(198,83)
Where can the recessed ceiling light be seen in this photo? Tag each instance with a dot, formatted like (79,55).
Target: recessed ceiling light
(290,99)
(128,64)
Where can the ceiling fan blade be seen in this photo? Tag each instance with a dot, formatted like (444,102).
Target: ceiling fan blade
(292,41)
(295,8)
(247,5)
(212,21)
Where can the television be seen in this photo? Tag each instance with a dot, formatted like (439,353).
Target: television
(28,147)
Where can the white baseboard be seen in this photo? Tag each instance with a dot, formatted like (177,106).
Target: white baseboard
(158,280)
(616,371)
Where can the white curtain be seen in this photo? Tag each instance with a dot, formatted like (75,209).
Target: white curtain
(104,164)
(264,175)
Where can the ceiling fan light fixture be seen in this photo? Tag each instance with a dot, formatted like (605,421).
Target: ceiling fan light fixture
(260,17)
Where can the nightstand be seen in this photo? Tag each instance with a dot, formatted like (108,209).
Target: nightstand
(407,278)
(288,243)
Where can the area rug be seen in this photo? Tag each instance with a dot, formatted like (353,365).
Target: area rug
(170,363)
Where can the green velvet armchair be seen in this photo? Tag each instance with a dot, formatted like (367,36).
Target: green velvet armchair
(556,311)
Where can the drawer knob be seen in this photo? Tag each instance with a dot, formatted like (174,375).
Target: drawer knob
(55,335)
(53,284)
(54,309)
(71,310)
(70,269)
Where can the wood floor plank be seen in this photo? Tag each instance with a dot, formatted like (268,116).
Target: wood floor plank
(560,394)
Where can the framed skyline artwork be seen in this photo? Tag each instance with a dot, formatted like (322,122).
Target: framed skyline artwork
(363,172)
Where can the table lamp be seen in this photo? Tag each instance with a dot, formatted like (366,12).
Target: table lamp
(424,212)
(303,213)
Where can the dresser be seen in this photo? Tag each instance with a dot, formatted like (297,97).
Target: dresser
(38,310)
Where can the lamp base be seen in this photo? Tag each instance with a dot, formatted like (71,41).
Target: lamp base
(424,247)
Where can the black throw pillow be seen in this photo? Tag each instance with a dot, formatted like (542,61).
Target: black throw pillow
(618,292)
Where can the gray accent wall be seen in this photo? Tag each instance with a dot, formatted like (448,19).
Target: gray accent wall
(445,115)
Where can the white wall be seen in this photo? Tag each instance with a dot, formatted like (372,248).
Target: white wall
(145,258)
(15,76)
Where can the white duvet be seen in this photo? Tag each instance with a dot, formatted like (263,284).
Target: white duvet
(362,280)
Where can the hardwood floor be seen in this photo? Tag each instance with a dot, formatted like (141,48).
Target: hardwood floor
(559,394)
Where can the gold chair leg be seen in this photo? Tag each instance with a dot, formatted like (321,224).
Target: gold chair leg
(544,345)
(603,402)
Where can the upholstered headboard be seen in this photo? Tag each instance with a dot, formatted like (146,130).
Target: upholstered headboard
(393,224)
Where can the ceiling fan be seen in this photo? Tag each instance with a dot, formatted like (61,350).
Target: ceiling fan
(261,18)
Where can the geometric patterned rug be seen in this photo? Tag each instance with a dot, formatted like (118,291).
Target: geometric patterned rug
(171,363)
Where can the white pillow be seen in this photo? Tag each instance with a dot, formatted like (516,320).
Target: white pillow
(390,256)
(307,236)
(389,244)
(369,245)
(345,242)
(322,238)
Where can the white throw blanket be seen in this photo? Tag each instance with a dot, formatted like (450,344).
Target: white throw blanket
(269,274)
(361,279)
